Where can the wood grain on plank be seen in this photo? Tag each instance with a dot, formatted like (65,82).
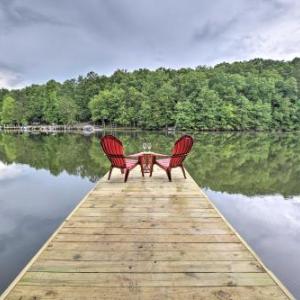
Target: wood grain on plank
(146,239)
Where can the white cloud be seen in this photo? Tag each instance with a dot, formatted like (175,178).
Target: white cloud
(41,40)
(9,171)
(10,79)
(271,212)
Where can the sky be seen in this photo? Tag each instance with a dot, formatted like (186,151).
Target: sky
(62,39)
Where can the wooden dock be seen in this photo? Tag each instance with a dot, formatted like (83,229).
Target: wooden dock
(146,239)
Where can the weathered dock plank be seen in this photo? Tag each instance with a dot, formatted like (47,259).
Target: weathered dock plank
(146,239)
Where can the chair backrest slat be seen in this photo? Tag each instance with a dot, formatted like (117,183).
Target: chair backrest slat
(180,150)
(114,150)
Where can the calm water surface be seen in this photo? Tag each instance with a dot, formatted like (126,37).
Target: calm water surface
(254,179)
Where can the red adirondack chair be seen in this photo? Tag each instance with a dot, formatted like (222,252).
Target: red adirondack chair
(114,150)
(180,150)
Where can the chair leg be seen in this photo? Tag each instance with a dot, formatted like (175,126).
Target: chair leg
(169,175)
(122,171)
(126,175)
(110,170)
(151,170)
(142,170)
(183,171)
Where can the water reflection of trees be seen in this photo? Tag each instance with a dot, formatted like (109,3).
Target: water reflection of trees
(74,153)
(249,164)
(56,153)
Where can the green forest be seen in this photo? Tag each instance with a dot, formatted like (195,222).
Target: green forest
(251,95)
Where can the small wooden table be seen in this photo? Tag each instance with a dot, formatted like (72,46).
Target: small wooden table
(146,160)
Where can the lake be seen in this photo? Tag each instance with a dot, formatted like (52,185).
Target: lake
(254,179)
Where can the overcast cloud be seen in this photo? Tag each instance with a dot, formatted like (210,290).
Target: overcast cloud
(61,39)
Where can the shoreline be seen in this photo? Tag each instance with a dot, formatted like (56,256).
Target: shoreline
(64,128)
(89,129)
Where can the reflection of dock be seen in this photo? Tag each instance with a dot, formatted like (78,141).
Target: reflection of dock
(146,239)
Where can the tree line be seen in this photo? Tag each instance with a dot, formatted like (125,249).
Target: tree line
(251,95)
